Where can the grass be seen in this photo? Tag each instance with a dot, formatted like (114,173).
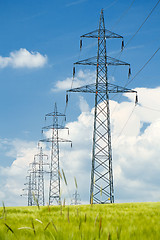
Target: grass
(129,221)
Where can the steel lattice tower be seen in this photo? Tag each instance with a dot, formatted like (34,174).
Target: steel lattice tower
(101,190)
(29,193)
(76,198)
(34,183)
(54,186)
(28,189)
(39,159)
(35,178)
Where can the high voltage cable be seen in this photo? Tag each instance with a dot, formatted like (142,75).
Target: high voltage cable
(136,75)
(142,24)
(142,67)
(124,13)
(152,109)
(137,31)
(131,40)
(140,105)
(124,126)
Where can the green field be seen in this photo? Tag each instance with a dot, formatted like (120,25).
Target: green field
(111,221)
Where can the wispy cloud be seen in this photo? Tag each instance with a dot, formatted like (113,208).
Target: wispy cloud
(110,5)
(36,15)
(23,59)
(75,3)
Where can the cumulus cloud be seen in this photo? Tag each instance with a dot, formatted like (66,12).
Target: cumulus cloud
(13,177)
(136,162)
(22,58)
(136,151)
(82,78)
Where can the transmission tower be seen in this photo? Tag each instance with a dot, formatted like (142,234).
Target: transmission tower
(34,183)
(76,198)
(55,127)
(101,190)
(39,159)
(28,189)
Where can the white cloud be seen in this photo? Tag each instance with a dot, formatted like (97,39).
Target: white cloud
(136,162)
(84,107)
(13,177)
(82,78)
(23,59)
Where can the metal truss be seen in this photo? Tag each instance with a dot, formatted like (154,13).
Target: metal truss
(108,61)
(28,189)
(34,183)
(91,88)
(54,186)
(101,190)
(39,159)
(102,31)
(76,198)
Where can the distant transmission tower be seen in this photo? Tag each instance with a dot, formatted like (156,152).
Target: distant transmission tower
(40,159)
(101,190)
(28,189)
(54,186)
(76,198)
(34,184)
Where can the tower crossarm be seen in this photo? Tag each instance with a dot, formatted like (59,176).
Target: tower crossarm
(43,155)
(53,114)
(52,140)
(112,88)
(110,61)
(95,34)
(55,127)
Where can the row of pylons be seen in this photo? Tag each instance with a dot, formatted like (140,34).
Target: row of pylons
(101,187)
(41,166)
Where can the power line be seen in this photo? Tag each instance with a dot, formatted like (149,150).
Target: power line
(136,76)
(101,190)
(152,109)
(124,125)
(128,43)
(142,24)
(143,106)
(128,84)
(142,67)
(136,32)
(123,14)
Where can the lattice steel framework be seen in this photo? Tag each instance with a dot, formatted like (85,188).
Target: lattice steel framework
(76,198)
(41,160)
(54,186)
(101,190)
(34,183)
(28,189)
(29,192)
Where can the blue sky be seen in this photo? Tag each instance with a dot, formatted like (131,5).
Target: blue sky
(48,32)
